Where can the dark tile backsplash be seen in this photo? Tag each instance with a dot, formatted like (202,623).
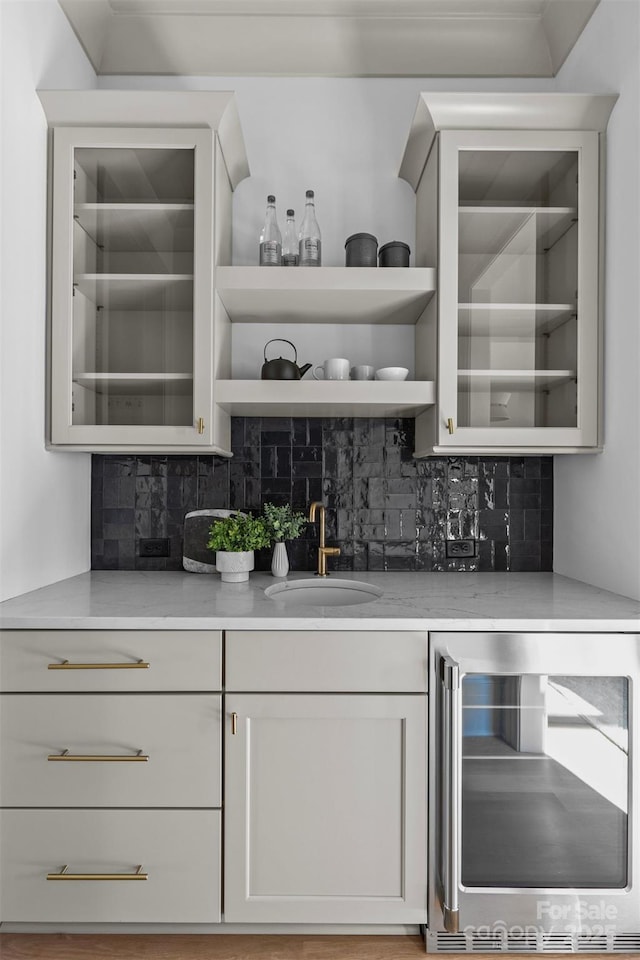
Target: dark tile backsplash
(385,510)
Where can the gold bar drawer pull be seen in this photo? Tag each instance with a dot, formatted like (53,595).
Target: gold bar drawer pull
(64,875)
(138,757)
(66,665)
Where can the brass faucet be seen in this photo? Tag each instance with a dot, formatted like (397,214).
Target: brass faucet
(323,552)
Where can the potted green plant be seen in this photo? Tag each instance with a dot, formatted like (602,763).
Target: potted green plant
(234,540)
(282,524)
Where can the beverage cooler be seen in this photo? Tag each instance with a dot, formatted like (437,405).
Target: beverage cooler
(534,793)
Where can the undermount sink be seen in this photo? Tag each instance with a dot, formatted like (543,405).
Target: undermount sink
(323,593)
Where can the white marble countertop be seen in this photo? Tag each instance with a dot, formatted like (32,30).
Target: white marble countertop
(411,601)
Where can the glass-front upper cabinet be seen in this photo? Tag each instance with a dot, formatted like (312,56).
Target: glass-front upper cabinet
(518,300)
(132,262)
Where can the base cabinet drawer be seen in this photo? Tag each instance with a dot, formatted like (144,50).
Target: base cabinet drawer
(340,661)
(105,750)
(178,851)
(59,661)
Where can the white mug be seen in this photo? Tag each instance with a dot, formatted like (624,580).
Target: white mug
(334,369)
(363,372)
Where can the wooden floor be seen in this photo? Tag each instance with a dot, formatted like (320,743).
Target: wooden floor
(14,946)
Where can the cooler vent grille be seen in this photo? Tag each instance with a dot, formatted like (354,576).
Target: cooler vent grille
(502,942)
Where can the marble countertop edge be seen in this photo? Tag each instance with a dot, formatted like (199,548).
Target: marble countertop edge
(119,600)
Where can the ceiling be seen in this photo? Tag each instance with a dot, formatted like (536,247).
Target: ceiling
(337,38)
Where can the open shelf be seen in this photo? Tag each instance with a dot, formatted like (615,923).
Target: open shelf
(137,227)
(325,294)
(488,229)
(349,398)
(513,381)
(137,291)
(136,384)
(511,319)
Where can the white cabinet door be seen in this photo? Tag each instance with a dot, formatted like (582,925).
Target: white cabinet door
(325,808)
(131,289)
(518,298)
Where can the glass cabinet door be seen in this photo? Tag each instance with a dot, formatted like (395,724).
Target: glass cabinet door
(545,781)
(137,207)
(519,289)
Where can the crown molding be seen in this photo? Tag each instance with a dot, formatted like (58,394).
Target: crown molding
(351,38)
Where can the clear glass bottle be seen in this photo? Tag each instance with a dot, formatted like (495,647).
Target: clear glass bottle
(310,246)
(270,237)
(290,242)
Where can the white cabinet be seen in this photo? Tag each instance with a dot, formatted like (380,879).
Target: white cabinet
(508,204)
(110,767)
(140,219)
(325,793)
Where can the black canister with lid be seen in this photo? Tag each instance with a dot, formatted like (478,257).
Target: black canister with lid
(361,250)
(394,254)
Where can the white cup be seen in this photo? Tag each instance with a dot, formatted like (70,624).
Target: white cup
(335,369)
(362,373)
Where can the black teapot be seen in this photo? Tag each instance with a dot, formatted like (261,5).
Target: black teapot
(282,369)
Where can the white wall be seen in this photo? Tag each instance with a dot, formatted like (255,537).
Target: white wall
(597,498)
(343,138)
(44,497)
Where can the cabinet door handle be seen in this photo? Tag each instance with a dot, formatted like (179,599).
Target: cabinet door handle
(450,426)
(66,665)
(234,723)
(200,425)
(138,757)
(64,875)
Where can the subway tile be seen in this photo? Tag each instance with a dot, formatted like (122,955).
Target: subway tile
(283,462)
(385,509)
(305,470)
(314,431)
(524,564)
(275,438)
(252,430)
(237,433)
(524,548)
(314,488)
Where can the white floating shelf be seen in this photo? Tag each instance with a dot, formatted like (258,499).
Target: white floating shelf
(137,291)
(325,294)
(134,227)
(136,384)
(348,398)
(517,320)
(488,229)
(513,381)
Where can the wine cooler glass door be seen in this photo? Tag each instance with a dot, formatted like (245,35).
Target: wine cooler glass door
(537,792)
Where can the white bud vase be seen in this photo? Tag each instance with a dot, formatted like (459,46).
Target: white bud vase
(280,561)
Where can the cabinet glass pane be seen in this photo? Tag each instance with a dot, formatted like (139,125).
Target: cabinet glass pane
(545,781)
(133,246)
(517,288)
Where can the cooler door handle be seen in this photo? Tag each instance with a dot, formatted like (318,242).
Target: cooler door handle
(450,826)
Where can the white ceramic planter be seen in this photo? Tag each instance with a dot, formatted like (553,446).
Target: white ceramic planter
(234,567)
(280,560)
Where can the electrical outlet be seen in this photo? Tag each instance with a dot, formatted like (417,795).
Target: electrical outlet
(457,549)
(154,548)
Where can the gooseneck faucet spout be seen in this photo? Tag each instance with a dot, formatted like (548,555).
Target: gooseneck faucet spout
(323,551)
